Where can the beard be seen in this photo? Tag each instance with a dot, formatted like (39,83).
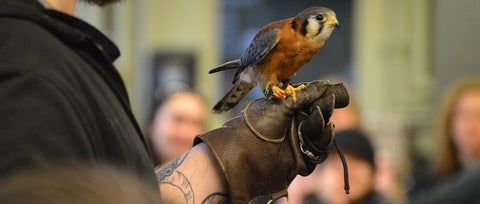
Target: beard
(100,2)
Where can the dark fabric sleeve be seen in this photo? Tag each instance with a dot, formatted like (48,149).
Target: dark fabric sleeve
(38,126)
(460,188)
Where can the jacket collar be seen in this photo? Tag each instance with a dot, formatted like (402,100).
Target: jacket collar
(67,28)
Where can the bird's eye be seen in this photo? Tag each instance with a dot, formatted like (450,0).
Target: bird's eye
(321,18)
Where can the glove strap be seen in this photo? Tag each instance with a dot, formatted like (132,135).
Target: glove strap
(313,154)
(317,156)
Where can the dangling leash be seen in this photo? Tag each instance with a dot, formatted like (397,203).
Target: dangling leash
(317,156)
(345,168)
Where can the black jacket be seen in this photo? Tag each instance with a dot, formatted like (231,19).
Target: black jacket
(462,187)
(61,99)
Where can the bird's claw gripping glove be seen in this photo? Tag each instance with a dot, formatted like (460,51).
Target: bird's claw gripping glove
(261,151)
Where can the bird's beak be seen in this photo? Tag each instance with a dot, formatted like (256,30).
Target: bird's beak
(334,23)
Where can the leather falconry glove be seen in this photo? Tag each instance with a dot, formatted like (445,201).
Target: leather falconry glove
(262,150)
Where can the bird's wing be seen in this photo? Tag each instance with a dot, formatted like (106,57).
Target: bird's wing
(263,42)
(260,46)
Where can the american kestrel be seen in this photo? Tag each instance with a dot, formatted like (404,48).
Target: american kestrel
(277,52)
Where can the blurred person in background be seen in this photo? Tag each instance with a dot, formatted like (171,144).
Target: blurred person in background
(457,167)
(360,157)
(460,130)
(347,118)
(176,122)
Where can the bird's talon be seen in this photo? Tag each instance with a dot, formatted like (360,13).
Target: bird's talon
(278,92)
(299,87)
(290,90)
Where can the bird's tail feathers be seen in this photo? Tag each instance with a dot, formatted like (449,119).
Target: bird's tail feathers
(234,64)
(239,90)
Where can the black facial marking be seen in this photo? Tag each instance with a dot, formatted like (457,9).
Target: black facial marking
(294,24)
(320,29)
(304,27)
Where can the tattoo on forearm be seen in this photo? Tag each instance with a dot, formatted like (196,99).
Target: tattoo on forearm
(168,169)
(168,175)
(216,198)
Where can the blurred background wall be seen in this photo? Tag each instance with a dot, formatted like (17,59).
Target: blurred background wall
(397,56)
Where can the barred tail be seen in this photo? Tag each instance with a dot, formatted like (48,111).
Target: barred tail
(234,64)
(239,90)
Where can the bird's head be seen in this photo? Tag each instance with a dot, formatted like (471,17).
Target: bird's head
(317,23)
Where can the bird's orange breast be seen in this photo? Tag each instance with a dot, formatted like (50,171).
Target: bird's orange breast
(292,51)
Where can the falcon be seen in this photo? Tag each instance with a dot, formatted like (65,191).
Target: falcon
(278,50)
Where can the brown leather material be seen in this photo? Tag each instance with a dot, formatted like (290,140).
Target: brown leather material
(259,151)
(323,109)
(252,167)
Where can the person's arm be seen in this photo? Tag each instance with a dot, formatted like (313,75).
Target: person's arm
(193,177)
(38,125)
(253,157)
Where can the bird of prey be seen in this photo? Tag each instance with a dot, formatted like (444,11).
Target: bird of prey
(278,50)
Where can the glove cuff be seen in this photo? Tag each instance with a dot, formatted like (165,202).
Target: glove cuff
(245,158)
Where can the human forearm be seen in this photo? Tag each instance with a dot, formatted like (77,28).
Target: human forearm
(193,177)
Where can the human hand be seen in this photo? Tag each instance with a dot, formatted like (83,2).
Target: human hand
(261,151)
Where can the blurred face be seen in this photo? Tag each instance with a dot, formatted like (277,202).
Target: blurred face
(345,118)
(176,124)
(330,181)
(466,126)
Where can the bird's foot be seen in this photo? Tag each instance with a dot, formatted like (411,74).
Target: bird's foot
(278,92)
(290,90)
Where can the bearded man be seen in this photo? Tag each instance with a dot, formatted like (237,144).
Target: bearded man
(63,103)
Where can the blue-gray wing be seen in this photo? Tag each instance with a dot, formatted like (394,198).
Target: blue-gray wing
(264,41)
